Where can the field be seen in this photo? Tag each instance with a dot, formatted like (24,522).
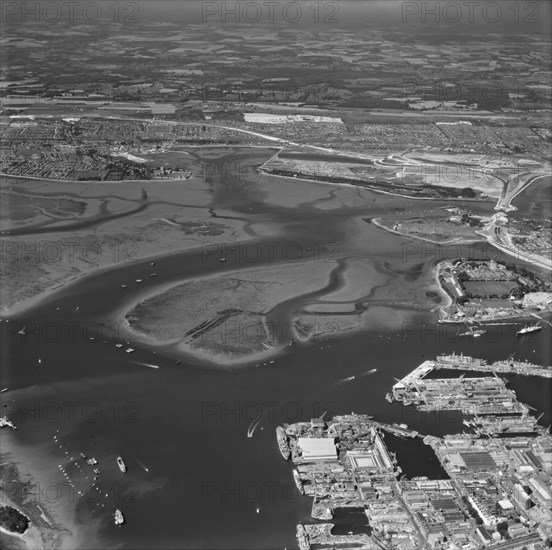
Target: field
(489,288)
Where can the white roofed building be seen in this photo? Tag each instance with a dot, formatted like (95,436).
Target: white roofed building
(317,448)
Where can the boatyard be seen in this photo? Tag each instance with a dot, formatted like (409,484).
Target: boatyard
(498,491)
(344,463)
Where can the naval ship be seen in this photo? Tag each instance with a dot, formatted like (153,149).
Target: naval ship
(529,328)
(283,443)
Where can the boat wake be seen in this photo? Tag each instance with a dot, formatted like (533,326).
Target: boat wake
(253,427)
(335,385)
(149,365)
(141,464)
(367,373)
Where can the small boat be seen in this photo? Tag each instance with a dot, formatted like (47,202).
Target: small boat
(23,331)
(3,390)
(129,350)
(119,519)
(139,280)
(153,274)
(123,286)
(121,464)
(118,345)
(222,260)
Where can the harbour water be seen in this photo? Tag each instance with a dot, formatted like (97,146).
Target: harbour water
(535,201)
(193,474)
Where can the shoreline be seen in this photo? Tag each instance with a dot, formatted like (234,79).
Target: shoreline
(376,222)
(177,346)
(449,300)
(368,188)
(52,180)
(15,534)
(50,527)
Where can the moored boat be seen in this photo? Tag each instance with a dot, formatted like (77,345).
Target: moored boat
(121,464)
(119,519)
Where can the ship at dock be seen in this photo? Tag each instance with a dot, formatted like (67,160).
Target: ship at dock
(302,538)
(283,443)
(298,481)
(461,360)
